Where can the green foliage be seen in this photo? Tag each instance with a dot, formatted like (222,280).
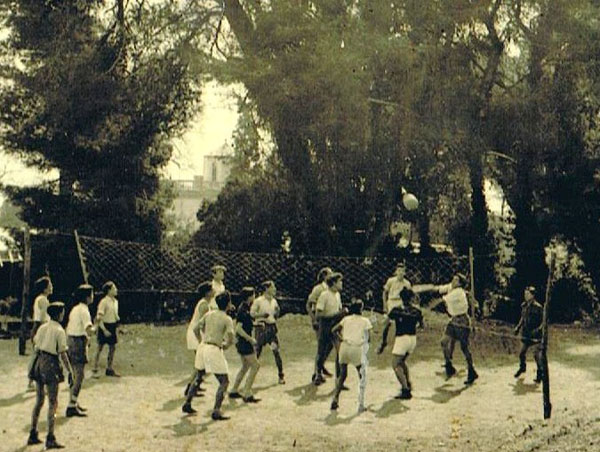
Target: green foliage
(96,94)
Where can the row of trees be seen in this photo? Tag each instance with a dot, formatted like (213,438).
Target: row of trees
(345,102)
(363,97)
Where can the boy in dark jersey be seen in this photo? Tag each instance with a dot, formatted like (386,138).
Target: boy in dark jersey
(405,317)
(245,346)
(530,325)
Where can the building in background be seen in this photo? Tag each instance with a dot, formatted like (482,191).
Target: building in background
(191,193)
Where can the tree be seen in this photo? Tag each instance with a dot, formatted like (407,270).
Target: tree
(95,89)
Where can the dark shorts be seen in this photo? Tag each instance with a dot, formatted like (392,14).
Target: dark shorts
(77,349)
(244,347)
(46,369)
(458,328)
(110,340)
(266,334)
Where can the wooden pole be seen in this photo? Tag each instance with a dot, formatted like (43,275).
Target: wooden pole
(472,277)
(25,294)
(544,345)
(84,271)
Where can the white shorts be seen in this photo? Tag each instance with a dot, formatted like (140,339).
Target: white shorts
(199,361)
(214,360)
(404,344)
(192,341)
(351,354)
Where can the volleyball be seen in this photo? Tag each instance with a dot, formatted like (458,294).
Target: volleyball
(410,201)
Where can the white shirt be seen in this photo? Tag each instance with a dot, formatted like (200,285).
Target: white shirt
(329,303)
(51,338)
(40,308)
(199,311)
(79,320)
(108,308)
(218,288)
(355,328)
(456,300)
(262,306)
(393,286)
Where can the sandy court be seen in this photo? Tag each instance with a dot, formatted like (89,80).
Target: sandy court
(141,410)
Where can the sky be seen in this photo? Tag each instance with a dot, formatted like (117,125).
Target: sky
(207,133)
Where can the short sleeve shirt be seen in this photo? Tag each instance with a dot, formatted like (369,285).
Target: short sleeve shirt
(330,303)
(40,309)
(456,302)
(51,338)
(393,286)
(316,292)
(354,329)
(79,320)
(261,306)
(109,310)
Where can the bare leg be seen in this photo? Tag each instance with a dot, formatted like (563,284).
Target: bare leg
(223,384)
(97,357)
(398,365)
(111,356)
(254,366)
(78,376)
(340,382)
(241,374)
(52,407)
(194,387)
(40,394)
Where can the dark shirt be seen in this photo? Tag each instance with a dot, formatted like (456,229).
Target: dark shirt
(406,319)
(245,319)
(532,315)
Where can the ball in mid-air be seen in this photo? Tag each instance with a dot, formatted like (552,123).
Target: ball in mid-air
(410,201)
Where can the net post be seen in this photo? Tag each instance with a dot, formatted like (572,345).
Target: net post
(472,280)
(25,293)
(84,271)
(544,345)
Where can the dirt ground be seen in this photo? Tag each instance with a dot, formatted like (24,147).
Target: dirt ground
(142,410)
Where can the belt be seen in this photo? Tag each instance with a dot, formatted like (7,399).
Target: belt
(212,343)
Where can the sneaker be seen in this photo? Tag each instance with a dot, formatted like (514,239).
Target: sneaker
(471,377)
(52,444)
(187,408)
(80,408)
(95,373)
(326,373)
(251,399)
(33,438)
(281,380)
(30,386)
(318,380)
(217,416)
(450,370)
(334,405)
(235,395)
(361,409)
(72,411)
(345,388)
(538,378)
(520,372)
(111,373)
